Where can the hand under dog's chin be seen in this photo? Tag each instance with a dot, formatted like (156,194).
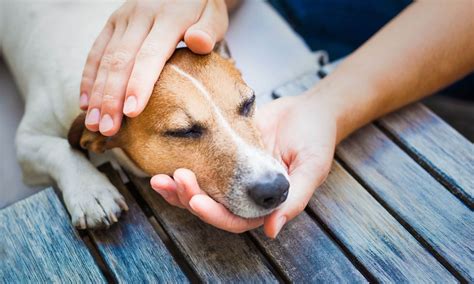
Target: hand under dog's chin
(245,208)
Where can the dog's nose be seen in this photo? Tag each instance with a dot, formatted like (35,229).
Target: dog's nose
(271,192)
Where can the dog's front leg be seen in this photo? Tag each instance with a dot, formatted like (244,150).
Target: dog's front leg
(92,201)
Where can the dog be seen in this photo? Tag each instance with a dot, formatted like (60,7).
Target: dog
(200,116)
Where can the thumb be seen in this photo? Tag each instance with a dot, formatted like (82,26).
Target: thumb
(210,28)
(303,182)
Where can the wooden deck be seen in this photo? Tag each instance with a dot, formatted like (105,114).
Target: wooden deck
(396,207)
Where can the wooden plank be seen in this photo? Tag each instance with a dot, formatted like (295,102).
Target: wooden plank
(303,253)
(437,217)
(371,234)
(215,255)
(131,248)
(39,245)
(436,146)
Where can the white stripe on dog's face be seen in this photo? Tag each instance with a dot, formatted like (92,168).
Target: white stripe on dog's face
(202,90)
(252,162)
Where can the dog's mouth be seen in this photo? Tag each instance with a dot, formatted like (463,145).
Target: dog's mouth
(253,198)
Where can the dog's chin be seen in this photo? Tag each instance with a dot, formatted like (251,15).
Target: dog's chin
(245,208)
(250,213)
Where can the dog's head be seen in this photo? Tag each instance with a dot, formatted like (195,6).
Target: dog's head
(200,117)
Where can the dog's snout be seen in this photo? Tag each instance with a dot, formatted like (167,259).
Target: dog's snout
(270,192)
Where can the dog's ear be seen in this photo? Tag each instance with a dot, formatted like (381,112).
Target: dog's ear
(79,137)
(222,49)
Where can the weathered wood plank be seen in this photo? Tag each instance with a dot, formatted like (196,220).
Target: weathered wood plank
(132,250)
(39,245)
(439,218)
(215,255)
(371,234)
(304,253)
(437,146)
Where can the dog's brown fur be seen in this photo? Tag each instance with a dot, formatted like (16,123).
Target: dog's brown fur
(176,104)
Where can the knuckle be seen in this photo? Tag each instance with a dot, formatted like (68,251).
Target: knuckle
(108,99)
(97,88)
(232,226)
(149,48)
(117,60)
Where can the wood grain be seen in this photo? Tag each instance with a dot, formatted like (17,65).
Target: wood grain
(437,146)
(215,255)
(39,245)
(371,234)
(304,253)
(435,215)
(131,248)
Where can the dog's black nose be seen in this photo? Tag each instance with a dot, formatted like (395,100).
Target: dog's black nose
(270,192)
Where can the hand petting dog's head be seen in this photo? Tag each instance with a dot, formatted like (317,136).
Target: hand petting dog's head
(200,117)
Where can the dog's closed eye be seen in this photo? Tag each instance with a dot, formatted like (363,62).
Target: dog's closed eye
(246,108)
(195,131)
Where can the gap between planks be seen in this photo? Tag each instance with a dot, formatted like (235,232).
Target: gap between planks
(100,261)
(180,259)
(352,258)
(431,170)
(402,222)
(86,238)
(163,234)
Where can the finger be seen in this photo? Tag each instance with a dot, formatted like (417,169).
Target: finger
(152,56)
(166,187)
(303,182)
(95,99)
(92,64)
(210,28)
(119,70)
(186,186)
(218,216)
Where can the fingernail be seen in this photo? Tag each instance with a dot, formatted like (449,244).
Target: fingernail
(191,205)
(162,192)
(279,224)
(130,105)
(106,123)
(84,100)
(93,117)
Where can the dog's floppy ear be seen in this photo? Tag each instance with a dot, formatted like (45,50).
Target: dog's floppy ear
(222,49)
(79,137)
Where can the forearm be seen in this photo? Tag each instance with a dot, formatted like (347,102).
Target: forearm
(426,47)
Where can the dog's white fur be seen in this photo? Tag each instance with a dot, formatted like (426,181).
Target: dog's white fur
(47,68)
(254,163)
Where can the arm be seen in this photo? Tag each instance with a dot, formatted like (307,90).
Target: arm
(425,48)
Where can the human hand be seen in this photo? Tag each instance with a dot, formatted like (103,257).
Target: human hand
(301,133)
(127,57)
(298,132)
(183,191)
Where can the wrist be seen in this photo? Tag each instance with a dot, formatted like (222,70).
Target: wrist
(347,99)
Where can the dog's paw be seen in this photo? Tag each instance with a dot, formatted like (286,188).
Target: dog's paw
(95,207)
